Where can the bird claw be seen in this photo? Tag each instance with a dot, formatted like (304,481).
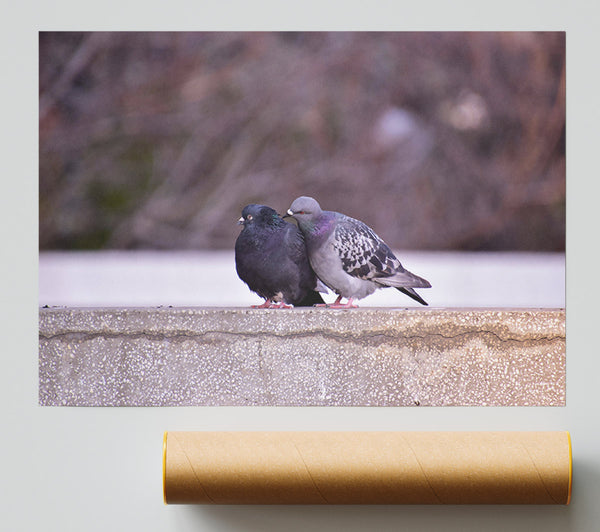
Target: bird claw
(266,304)
(338,304)
(270,304)
(281,304)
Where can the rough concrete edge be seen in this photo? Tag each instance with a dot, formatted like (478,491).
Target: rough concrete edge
(192,320)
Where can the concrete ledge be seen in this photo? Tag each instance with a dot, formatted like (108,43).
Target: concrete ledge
(304,357)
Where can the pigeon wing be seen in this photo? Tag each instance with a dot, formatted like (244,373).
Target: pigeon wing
(364,255)
(362,252)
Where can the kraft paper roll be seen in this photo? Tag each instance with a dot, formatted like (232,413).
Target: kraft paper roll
(367,467)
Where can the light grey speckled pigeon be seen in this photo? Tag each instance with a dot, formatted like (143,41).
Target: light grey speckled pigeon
(348,256)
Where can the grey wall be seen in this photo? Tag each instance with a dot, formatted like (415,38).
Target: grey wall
(100,469)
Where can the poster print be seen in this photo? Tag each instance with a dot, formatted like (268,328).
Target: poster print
(449,146)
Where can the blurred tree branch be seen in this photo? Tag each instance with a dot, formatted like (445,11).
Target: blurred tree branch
(439,140)
(76,63)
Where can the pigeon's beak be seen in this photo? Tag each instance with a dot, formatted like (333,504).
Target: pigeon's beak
(289,213)
(241,221)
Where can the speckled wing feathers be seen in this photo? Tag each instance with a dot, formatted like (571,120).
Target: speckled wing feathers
(366,256)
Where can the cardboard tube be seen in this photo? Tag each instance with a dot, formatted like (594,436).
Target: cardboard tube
(367,467)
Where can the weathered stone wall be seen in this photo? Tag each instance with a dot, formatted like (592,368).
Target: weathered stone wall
(304,357)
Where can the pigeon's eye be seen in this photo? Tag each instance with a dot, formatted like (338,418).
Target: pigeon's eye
(249,217)
(301,212)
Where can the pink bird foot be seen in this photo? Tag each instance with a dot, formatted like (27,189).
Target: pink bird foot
(281,304)
(266,304)
(270,304)
(338,304)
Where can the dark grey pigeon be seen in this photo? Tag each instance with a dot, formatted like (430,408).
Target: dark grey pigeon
(270,257)
(348,256)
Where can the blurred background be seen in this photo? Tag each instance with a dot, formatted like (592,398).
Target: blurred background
(450,145)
